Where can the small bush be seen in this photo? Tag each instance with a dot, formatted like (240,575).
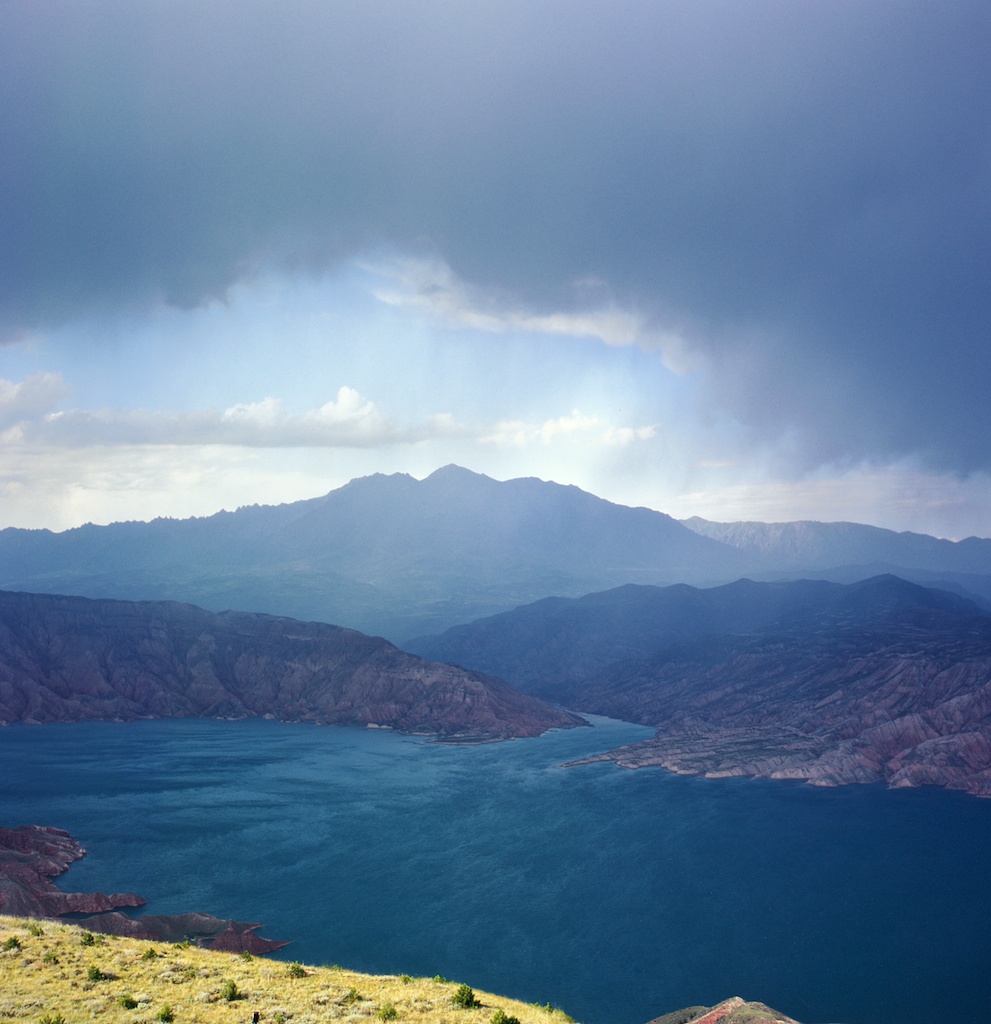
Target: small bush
(296,970)
(440,979)
(279,1018)
(93,973)
(230,992)
(464,997)
(501,1017)
(36,930)
(87,939)
(405,979)
(12,943)
(127,1001)
(49,958)
(245,955)
(387,1012)
(52,1018)
(353,996)
(149,954)
(166,1014)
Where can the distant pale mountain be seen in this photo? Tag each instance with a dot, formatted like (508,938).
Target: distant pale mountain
(68,659)
(846,552)
(814,545)
(882,680)
(399,557)
(388,555)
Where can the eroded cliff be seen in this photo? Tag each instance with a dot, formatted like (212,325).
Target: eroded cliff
(65,659)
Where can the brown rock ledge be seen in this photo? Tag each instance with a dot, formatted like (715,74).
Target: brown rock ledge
(32,855)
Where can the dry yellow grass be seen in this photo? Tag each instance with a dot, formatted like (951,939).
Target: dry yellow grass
(48,972)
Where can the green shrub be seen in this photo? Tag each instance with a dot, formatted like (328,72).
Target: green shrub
(387,1012)
(296,970)
(279,1018)
(245,955)
(405,979)
(166,1014)
(127,1001)
(87,939)
(149,954)
(465,998)
(501,1017)
(36,930)
(353,996)
(93,973)
(49,958)
(12,943)
(230,992)
(52,1018)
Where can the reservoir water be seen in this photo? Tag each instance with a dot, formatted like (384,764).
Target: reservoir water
(616,895)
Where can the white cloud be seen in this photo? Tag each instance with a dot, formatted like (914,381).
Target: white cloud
(30,398)
(576,426)
(349,421)
(622,436)
(431,287)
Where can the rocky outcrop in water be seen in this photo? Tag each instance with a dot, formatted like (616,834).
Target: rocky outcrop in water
(204,929)
(32,855)
(67,659)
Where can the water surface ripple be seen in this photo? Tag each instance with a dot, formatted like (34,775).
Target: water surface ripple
(617,895)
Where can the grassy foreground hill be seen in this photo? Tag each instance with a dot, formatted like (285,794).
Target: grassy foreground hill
(55,973)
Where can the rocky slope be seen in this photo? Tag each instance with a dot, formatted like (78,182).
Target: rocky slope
(32,855)
(67,659)
(881,681)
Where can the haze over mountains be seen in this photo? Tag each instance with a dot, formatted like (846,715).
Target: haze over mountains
(398,557)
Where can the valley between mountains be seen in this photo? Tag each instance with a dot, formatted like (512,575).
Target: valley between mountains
(818,667)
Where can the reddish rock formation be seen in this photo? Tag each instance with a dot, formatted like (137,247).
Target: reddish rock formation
(66,659)
(903,707)
(879,681)
(731,1011)
(204,929)
(32,855)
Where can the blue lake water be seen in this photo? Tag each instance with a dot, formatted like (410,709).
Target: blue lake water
(616,895)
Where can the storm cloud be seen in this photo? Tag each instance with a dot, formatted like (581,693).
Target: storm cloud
(794,198)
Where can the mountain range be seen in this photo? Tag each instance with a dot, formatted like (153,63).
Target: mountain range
(878,681)
(399,557)
(65,659)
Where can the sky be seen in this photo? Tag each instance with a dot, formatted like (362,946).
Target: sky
(715,258)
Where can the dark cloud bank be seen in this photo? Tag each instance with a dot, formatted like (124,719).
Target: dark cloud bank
(800,189)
